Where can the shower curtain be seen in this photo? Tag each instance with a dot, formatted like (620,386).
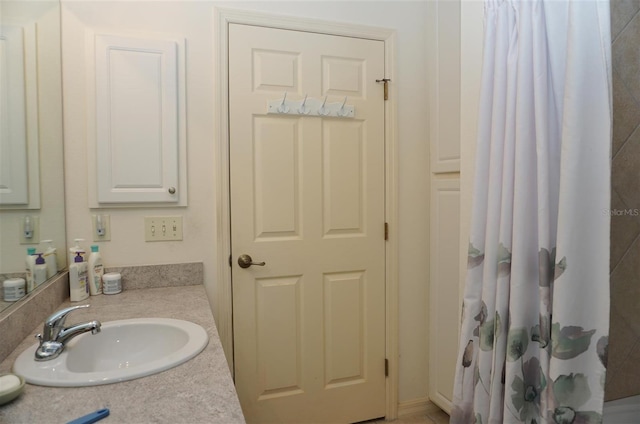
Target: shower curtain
(534,335)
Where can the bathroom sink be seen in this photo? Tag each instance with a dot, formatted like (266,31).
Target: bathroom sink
(123,350)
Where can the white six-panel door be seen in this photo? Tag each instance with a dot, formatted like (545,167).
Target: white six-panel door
(307,198)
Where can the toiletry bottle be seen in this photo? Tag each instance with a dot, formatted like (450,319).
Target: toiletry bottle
(112,283)
(95,271)
(75,249)
(30,269)
(78,287)
(40,270)
(50,258)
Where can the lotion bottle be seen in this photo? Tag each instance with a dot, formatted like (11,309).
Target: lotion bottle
(50,258)
(39,270)
(78,287)
(30,269)
(75,249)
(96,270)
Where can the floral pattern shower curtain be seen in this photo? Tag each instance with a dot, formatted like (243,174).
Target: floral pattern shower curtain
(534,336)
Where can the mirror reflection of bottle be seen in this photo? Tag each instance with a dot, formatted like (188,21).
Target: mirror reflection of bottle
(50,258)
(13,289)
(30,269)
(39,270)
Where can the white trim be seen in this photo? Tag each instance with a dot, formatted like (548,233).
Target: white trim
(223,307)
(442,402)
(223,303)
(443,281)
(413,407)
(391,205)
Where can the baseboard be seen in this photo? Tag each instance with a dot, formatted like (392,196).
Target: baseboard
(415,406)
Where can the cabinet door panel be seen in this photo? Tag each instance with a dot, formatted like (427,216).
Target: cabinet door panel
(444,292)
(138,120)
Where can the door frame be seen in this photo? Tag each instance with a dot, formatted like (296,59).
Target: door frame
(222,293)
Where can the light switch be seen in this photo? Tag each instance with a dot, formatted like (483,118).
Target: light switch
(162,228)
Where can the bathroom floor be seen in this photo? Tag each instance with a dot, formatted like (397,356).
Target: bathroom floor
(432,415)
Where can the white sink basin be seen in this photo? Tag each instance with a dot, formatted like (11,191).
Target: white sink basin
(123,350)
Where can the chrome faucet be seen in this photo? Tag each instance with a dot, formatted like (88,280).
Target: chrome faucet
(54,336)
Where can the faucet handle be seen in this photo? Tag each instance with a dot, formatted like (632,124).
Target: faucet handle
(56,320)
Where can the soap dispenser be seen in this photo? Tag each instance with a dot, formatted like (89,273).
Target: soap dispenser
(75,249)
(39,270)
(50,258)
(78,287)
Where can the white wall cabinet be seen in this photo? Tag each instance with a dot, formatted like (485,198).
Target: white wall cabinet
(19,140)
(140,139)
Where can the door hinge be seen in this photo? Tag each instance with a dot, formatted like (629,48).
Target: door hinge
(230,263)
(385,81)
(386,367)
(386,231)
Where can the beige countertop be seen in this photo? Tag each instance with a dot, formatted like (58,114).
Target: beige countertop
(198,391)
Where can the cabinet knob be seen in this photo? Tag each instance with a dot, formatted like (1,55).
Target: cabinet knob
(172,190)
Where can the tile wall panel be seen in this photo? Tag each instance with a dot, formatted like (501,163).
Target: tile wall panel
(623,375)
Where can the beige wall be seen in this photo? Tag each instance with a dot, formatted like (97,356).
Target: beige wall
(193,20)
(623,375)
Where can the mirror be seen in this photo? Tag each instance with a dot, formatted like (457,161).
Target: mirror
(31,120)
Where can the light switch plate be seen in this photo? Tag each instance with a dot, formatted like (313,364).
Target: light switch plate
(106,227)
(162,228)
(35,229)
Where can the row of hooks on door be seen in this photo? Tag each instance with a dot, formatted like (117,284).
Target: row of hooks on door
(310,106)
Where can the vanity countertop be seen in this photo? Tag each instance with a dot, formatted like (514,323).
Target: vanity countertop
(198,391)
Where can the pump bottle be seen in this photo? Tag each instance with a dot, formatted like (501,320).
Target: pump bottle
(75,249)
(78,287)
(39,270)
(50,258)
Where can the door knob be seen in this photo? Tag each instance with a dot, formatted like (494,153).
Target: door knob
(245,261)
